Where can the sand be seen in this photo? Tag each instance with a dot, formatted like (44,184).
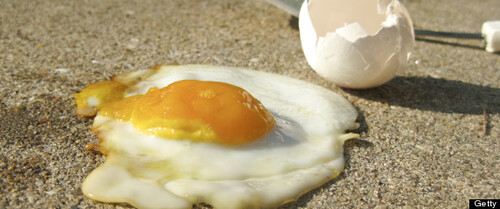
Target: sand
(429,138)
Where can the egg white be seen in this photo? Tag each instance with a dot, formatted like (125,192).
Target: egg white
(303,151)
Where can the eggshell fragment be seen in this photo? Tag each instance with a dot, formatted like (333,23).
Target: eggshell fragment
(491,32)
(358,43)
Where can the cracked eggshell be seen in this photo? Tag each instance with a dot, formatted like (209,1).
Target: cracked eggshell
(356,43)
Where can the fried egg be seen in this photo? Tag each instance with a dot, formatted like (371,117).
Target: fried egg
(178,135)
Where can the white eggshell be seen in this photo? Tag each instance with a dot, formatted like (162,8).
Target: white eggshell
(356,44)
(491,33)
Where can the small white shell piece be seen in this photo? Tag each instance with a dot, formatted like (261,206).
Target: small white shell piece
(491,32)
(356,43)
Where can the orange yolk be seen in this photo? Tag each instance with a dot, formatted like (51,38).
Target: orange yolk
(204,111)
(95,95)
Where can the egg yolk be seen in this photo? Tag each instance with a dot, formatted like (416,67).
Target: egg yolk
(95,95)
(204,111)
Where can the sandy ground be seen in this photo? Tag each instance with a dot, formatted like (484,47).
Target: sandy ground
(429,138)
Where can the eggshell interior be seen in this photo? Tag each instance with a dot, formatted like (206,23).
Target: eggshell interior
(358,43)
